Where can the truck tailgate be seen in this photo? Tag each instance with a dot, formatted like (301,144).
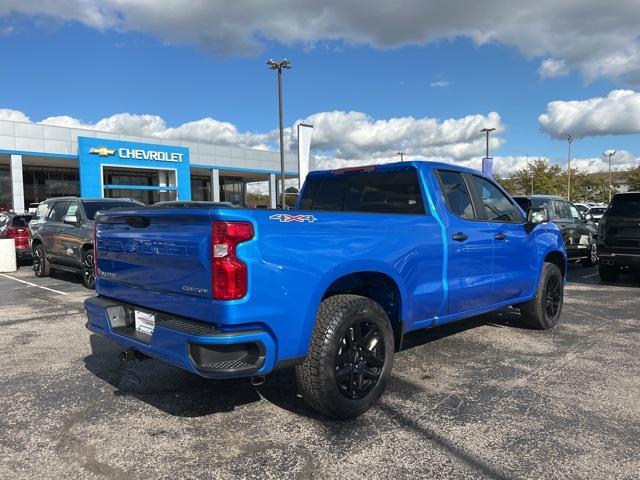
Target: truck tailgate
(158,251)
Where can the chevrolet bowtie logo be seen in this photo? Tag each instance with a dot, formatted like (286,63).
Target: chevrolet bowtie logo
(102,151)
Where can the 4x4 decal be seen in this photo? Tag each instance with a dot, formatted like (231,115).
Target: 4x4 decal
(286,218)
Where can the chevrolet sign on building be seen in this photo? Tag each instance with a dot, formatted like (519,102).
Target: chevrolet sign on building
(38,162)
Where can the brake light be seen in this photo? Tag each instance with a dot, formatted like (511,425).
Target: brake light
(365,169)
(14,232)
(229,278)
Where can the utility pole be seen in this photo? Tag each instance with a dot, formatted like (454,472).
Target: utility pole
(610,153)
(273,65)
(402,154)
(569,140)
(487,131)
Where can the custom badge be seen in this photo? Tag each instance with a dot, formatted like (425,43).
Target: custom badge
(286,218)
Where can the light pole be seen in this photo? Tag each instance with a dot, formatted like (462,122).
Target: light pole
(569,140)
(273,65)
(609,153)
(487,131)
(402,154)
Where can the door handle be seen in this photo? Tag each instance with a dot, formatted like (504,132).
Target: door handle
(459,237)
(500,236)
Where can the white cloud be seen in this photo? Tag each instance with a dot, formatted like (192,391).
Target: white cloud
(439,84)
(616,114)
(550,68)
(598,38)
(13,115)
(351,138)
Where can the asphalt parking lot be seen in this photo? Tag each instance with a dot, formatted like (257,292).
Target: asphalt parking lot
(482,398)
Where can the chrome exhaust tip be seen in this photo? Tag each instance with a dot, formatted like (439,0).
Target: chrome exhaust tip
(258,380)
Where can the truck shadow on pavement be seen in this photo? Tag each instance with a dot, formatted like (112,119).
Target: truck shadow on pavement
(181,393)
(167,388)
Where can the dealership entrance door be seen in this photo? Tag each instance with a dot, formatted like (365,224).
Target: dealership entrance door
(146,185)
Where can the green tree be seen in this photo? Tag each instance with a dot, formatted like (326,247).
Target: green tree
(539,177)
(634,179)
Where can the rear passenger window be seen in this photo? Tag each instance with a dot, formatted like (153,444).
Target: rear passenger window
(456,194)
(372,192)
(497,206)
(58,211)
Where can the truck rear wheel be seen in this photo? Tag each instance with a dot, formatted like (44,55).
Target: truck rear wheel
(350,357)
(543,311)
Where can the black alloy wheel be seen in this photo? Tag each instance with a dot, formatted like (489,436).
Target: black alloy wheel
(40,262)
(88,270)
(359,360)
(553,297)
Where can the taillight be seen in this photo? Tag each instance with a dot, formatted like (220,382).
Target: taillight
(229,276)
(15,232)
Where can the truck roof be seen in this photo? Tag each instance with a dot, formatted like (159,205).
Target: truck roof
(381,167)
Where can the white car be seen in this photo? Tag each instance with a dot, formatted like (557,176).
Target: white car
(596,213)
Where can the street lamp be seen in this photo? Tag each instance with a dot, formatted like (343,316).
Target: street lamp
(487,131)
(569,140)
(402,154)
(609,153)
(273,65)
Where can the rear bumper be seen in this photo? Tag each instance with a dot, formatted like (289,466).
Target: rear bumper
(201,348)
(23,252)
(620,259)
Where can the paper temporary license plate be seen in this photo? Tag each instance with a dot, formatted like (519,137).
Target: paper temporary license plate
(145,322)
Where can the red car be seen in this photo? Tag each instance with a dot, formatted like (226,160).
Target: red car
(16,226)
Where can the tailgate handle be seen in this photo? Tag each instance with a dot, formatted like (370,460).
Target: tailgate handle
(137,222)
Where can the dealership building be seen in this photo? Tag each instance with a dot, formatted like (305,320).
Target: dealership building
(43,161)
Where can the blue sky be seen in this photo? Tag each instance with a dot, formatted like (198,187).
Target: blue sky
(68,67)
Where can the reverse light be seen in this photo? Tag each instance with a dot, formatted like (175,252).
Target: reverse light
(229,277)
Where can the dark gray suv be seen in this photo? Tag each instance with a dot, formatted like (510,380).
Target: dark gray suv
(61,234)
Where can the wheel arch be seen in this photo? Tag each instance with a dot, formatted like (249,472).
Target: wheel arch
(380,287)
(559,259)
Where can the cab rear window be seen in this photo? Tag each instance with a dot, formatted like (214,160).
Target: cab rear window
(625,205)
(371,192)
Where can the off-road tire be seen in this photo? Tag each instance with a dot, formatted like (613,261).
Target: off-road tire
(544,309)
(41,266)
(318,378)
(609,273)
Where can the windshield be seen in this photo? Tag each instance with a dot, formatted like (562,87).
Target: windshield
(627,205)
(597,211)
(90,208)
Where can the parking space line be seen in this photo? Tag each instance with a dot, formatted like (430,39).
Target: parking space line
(591,275)
(33,284)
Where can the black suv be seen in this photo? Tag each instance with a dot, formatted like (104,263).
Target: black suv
(619,237)
(62,234)
(578,231)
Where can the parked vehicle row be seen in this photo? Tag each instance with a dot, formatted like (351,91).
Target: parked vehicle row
(578,231)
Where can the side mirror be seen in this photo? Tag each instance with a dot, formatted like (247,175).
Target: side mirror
(537,215)
(70,219)
(588,217)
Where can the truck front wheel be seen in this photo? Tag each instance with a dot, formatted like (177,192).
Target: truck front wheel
(543,311)
(350,357)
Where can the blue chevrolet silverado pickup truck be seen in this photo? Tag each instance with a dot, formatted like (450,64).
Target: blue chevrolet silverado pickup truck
(331,287)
